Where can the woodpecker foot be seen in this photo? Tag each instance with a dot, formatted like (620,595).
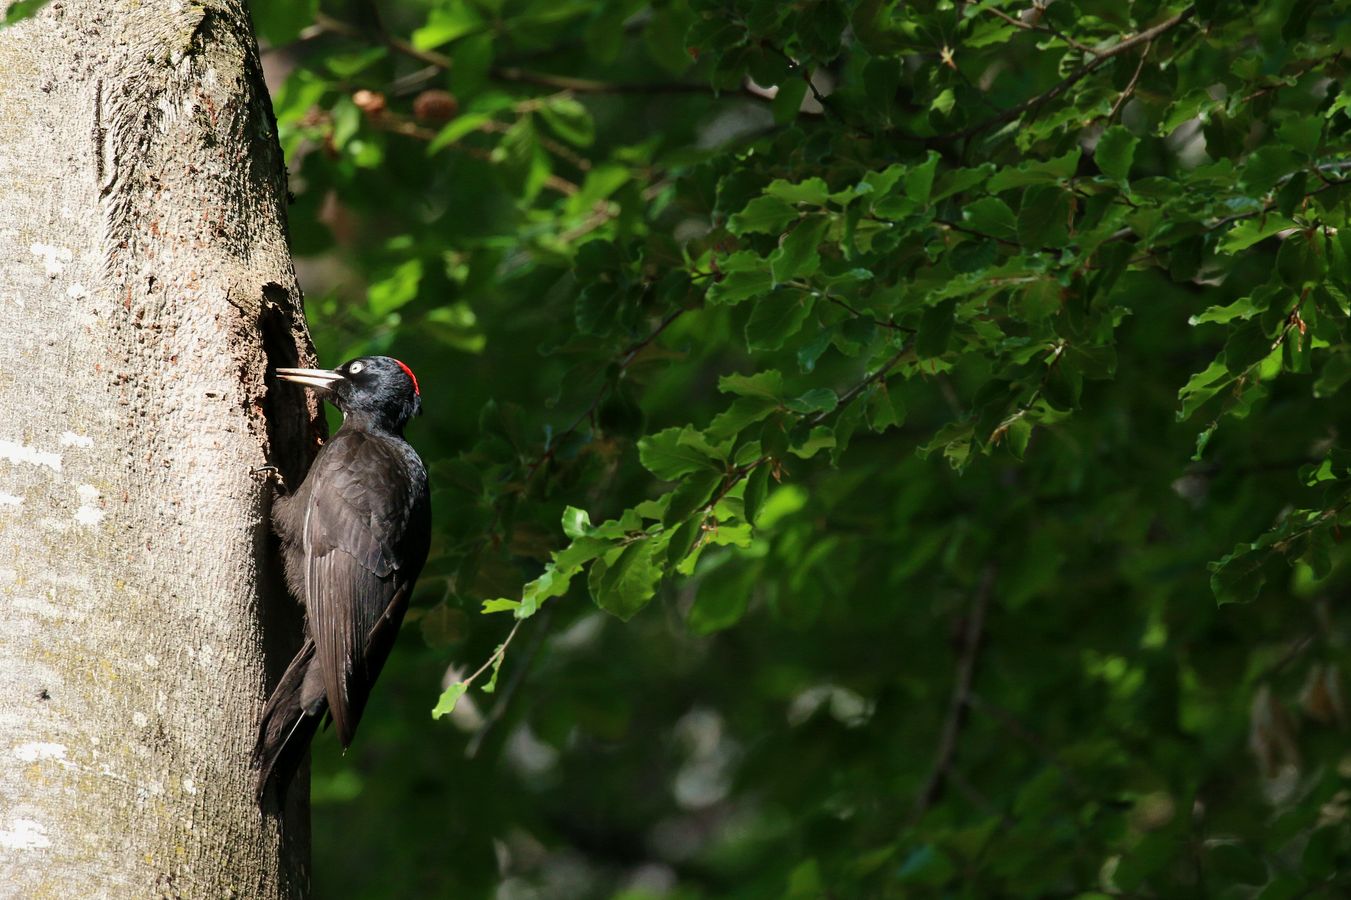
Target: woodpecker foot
(269,475)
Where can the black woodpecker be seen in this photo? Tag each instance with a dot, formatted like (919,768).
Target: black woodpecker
(354,537)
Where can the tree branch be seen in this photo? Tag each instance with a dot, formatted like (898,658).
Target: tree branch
(865,383)
(626,359)
(961,697)
(441,62)
(1130,86)
(1042,29)
(337,26)
(521,666)
(1099,60)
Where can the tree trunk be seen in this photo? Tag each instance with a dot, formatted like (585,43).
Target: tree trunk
(147,290)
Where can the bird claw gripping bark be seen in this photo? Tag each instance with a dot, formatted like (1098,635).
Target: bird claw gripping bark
(268,475)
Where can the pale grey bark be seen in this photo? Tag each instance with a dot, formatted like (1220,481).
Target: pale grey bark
(144,281)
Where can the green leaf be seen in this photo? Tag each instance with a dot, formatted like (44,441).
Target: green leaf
(1201,387)
(1037,301)
(576,522)
(1266,166)
(767,384)
(721,596)
(445,704)
(1336,372)
(352,64)
(813,191)
(956,181)
(847,421)
(1241,309)
(935,328)
(813,442)
(816,400)
(757,486)
(742,275)
(683,541)
(569,119)
(1248,344)
(797,254)
(1249,231)
(456,129)
(777,318)
(743,412)
(1043,217)
(885,410)
(919,180)
(396,290)
(763,215)
(1303,132)
(557,576)
(1043,172)
(694,491)
(500,605)
(665,455)
(810,352)
(1238,577)
(447,21)
(1298,263)
(627,583)
(597,309)
(954,439)
(788,100)
(992,216)
(1115,152)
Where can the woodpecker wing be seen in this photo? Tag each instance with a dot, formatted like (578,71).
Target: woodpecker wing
(368,505)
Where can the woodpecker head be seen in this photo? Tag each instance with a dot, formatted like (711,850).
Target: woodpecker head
(379,389)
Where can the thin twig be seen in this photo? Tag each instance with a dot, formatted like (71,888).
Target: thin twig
(865,383)
(1070,80)
(591,86)
(625,360)
(344,29)
(1043,29)
(441,62)
(395,124)
(1130,85)
(735,476)
(961,695)
(520,667)
(980,234)
(496,654)
(795,66)
(857,314)
(1125,233)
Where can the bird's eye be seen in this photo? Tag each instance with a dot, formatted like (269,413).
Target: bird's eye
(355,368)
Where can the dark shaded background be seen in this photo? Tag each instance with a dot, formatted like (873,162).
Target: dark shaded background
(977,653)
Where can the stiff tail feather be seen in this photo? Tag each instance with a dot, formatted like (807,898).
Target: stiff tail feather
(290,719)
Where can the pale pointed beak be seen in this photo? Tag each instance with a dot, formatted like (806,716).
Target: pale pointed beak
(320,379)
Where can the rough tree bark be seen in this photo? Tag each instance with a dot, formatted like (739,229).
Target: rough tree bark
(145,291)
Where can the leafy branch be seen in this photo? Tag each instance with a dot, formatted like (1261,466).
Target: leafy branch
(1099,59)
(445,704)
(626,359)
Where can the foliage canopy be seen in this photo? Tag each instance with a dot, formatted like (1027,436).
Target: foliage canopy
(910,378)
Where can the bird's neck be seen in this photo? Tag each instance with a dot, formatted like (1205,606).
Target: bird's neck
(371,423)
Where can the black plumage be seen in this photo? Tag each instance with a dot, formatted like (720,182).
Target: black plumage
(354,537)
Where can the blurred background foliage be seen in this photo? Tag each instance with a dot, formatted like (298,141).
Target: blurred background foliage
(851,414)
